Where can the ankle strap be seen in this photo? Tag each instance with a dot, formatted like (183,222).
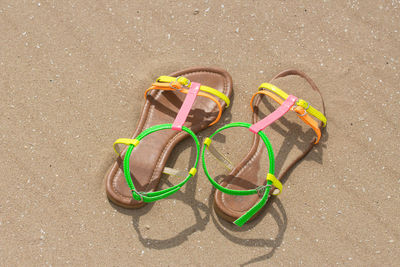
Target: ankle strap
(301,112)
(132,143)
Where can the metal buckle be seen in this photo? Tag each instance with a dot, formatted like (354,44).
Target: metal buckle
(141,194)
(172,87)
(305,109)
(305,113)
(261,189)
(177,80)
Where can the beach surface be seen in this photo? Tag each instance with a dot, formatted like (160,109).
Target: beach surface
(72,77)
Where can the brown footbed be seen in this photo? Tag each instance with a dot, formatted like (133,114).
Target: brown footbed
(244,176)
(150,156)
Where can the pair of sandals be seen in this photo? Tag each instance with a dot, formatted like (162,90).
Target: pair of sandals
(196,97)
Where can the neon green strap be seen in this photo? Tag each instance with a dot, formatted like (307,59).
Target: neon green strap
(204,88)
(302,103)
(265,189)
(157,195)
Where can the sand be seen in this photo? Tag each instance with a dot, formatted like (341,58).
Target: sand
(72,77)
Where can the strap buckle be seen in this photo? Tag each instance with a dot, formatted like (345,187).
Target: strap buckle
(186,81)
(261,189)
(140,194)
(301,102)
(177,84)
(304,109)
(302,115)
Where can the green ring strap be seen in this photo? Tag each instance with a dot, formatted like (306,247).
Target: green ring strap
(157,195)
(245,217)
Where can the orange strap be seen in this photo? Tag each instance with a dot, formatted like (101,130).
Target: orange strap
(176,86)
(301,113)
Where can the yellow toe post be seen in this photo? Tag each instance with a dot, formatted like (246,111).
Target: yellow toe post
(275,182)
(193,171)
(274,89)
(207,141)
(125,141)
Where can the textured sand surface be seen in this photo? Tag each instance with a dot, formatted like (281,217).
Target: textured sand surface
(72,75)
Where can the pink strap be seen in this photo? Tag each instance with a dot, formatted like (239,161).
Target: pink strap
(186,106)
(279,112)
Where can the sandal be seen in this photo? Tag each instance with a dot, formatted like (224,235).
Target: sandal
(242,194)
(133,179)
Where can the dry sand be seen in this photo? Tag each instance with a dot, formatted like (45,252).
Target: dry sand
(72,77)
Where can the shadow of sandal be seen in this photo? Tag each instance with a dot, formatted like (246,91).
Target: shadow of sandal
(276,209)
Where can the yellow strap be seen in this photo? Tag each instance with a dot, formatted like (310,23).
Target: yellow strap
(204,88)
(275,182)
(274,89)
(302,103)
(311,110)
(125,141)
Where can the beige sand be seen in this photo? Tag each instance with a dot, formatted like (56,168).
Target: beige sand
(72,76)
